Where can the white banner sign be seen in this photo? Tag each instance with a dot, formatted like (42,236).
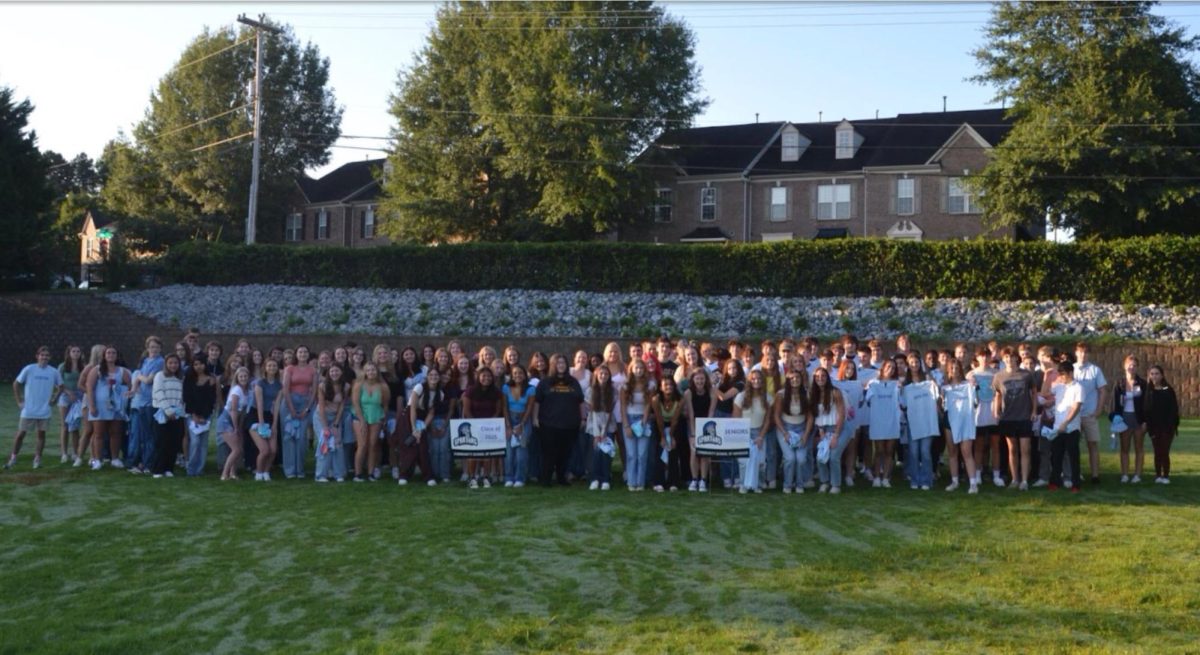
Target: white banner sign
(722,437)
(477,437)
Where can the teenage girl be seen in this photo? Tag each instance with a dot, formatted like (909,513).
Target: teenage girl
(960,400)
(107,385)
(266,407)
(790,412)
(1161,408)
(370,397)
(635,424)
(667,408)
(1128,402)
(299,393)
(517,394)
(827,414)
(230,422)
(601,426)
(883,397)
(753,404)
(329,423)
(70,370)
(699,401)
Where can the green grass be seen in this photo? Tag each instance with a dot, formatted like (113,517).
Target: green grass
(111,563)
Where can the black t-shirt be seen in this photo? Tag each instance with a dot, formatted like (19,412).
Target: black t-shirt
(1016,386)
(726,406)
(668,368)
(558,400)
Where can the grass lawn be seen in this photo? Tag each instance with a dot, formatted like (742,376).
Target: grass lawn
(112,563)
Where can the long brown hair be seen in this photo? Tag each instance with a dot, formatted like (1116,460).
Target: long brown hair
(820,396)
(749,394)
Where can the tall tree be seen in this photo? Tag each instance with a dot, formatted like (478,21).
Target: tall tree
(1103,97)
(25,194)
(165,174)
(522,119)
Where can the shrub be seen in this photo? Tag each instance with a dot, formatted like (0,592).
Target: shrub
(758,324)
(1159,327)
(996,324)
(1025,307)
(1073,307)
(948,325)
(1049,324)
(800,323)
(1105,324)
(895,324)
(880,304)
(928,304)
(854,267)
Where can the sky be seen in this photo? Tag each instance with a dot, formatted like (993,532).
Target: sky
(89,67)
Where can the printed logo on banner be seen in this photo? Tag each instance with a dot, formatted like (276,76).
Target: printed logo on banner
(480,437)
(722,437)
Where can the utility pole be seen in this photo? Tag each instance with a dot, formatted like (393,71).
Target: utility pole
(259,26)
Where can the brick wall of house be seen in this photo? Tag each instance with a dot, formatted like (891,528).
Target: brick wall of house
(29,320)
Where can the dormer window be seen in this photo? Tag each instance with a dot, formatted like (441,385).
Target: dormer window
(791,144)
(847,142)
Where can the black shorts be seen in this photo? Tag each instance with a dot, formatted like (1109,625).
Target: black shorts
(985,431)
(943,423)
(1019,429)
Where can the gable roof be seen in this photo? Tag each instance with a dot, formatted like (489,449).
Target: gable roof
(906,139)
(355,181)
(99,219)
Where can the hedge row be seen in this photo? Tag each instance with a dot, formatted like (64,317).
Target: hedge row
(1162,270)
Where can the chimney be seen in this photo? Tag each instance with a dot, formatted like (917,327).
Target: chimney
(943,104)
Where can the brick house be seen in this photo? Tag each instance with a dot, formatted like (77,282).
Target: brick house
(899,178)
(95,238)
(338,209)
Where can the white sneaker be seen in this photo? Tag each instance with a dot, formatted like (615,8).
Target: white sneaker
(157,476)
(810,485)
(487,483)
(375,473)
(1040,483)
(1014,484)
(403,482)
(118,464)
(594,485)
(64,458)
(702,487)
(887,484)
(169,474)
(953,485)
(95,464)
(758,490)
(877,483)
(658,488)
(1135,479)
(518,484)
(508,484)
(974,489)
(743,490)
(924,487)
(728,483)
(395,472)
(771,484)
(11,461)
(835,490)
(693,486)
(1124,479)
(37,462)
(1166,481)
(998,481)
(605,487)
(473,483)
(824,489)
(339,480)
(1024,487)
(266,476)
(322,480)
(787,490)
(431,483)
(78,462)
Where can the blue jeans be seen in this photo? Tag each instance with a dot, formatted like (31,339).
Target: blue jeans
(728,466)
(922,458)
(141,437)
(831,471)
(601,465)
(794,457)
(197,452)
(439,452)
(294,429)
(516,458)
(749,465)
(637,455)
(771,449)
(581,455)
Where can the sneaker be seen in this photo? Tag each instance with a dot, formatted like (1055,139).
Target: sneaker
(1052,487)
(758,490)
(848,481)
(1166,481)
(64,458)
(877,483)
(1158,480)
(727,483)
(1024,487)
(487,483)
(95,464)
(37,462)
(12,460)
(395,472)
(953,486)
(973,489)
(693,486)
(338,480)
(810,485)
(375,473)
(508,484)
(1068,485)
(1074,490)
(403,482)
(770,484)
(824,489)
(887,484)
(1124,479)
(157,476)
(594,485)
(134,470)
(702,487)
(359,478)
(913,486)
(473,483)
(322,480)
(998,481)
(924,487)
(78,462)
(463,478)
(169,474)
(799,490)
(118,464)
(518,484)
(1040,483)
(605,487)
(1134,480)
(787,490)
(431,483)
(835,490)
(1014,484)
(258,476)
(743,490)
(658,488)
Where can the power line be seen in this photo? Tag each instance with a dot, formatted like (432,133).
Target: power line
(182,66)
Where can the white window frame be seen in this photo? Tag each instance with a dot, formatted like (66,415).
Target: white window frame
(323,224)
(708,204)
(664,205)
(293,228)
(790,145)
(845,144)
(368,223)
(829,206)
(778,209)
(959,199)
(906,204)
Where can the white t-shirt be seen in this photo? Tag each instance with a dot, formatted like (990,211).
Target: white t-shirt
(236,391)
(1090,379)
(1065,397)
(920,402)
(756,413)
(39,383)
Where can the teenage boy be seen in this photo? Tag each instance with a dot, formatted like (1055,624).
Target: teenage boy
(1095,388)
(36,387)
(1068,406)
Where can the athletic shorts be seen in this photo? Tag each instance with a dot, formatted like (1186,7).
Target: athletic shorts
(1090,427)
(1021,429)
(985,431)
(33,425)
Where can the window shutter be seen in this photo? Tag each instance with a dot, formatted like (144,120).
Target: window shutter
(853,200)
(303,226)
(894,196)
(814,189)
(917,194)
(362,223)
(945,194)
(767,205)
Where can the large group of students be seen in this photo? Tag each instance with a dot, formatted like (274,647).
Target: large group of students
(820,418)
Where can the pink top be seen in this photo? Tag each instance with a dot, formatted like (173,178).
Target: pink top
(300,379)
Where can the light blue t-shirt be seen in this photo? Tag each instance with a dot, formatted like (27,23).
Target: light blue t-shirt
(516,408)
(150,366)
(1091,380)
(39,383)
(920,402)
